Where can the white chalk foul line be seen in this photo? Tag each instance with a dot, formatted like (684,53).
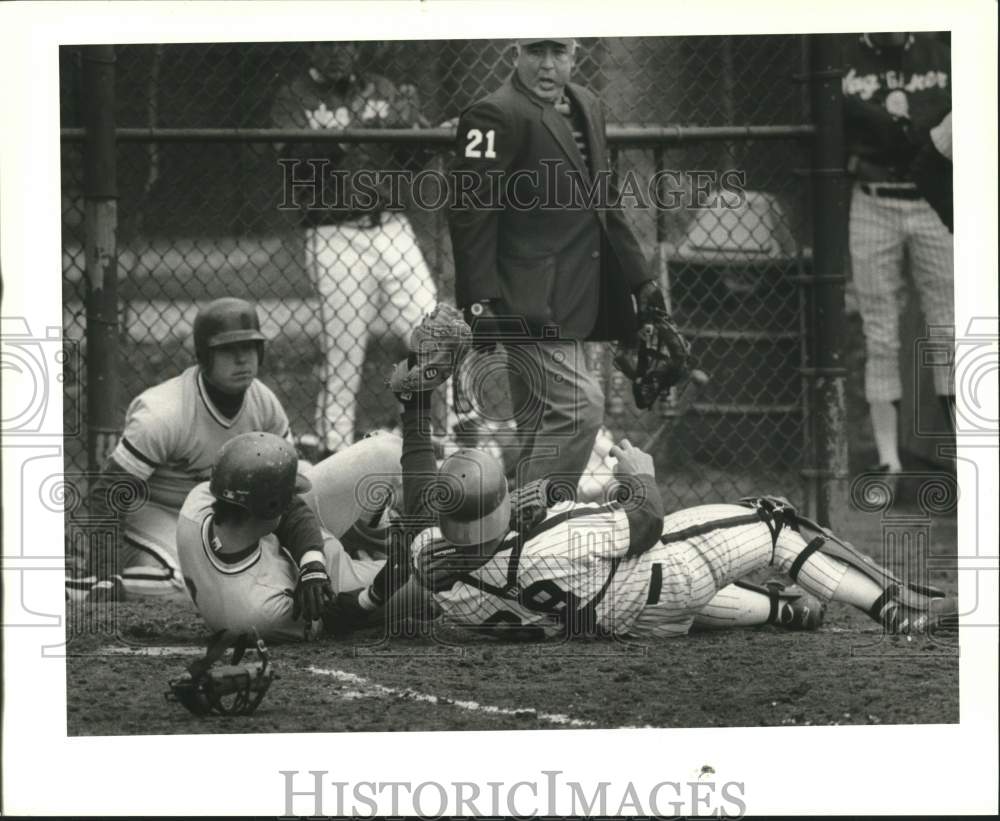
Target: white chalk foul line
(369,688)
(150,650)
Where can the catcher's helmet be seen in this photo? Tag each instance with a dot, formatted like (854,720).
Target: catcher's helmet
(223,322)
(476,505)
(258,472)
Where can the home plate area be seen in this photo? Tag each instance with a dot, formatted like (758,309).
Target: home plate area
(845,673)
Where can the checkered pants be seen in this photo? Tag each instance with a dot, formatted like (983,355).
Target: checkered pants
(882,232)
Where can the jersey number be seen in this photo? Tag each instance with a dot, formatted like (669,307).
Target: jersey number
(475,138)
(564,606)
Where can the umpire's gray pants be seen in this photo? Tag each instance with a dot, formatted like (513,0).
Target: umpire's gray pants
(558,406)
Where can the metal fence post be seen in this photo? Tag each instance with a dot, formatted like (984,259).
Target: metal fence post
(829,244)
(101,220)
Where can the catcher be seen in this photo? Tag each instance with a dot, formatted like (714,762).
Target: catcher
(506,563)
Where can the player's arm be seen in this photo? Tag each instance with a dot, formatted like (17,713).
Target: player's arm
(419,466)
(486,148)
(300,534)
(642,500)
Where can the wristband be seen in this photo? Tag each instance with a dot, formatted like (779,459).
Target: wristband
(312,556)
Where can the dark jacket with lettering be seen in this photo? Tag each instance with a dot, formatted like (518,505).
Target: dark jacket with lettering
(351,183)
(913,81)
(531,240)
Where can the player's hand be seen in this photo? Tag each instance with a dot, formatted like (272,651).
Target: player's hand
(312,593)
(632,461)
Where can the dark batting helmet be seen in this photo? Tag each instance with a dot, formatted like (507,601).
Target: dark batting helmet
(223,322)
(258,472)
(474,502)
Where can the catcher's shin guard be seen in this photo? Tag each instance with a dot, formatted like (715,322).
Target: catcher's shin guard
(780,513)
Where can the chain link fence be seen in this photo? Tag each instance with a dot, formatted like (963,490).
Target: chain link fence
(200,218)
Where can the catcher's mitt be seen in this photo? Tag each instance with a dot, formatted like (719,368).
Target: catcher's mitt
(436,346)
(657,359)
(206,688)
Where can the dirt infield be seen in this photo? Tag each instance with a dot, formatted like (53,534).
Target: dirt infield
(119,663)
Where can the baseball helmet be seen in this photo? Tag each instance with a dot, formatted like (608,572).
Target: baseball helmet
(223,322)
(475,506)
(258,472)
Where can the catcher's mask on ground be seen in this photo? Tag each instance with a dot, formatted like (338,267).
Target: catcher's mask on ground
(223,322)
(258,472)
(474,504)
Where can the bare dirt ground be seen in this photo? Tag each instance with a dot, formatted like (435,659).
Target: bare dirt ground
(120,660)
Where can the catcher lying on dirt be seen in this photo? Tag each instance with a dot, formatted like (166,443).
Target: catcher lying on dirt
(255,557)
(507,563)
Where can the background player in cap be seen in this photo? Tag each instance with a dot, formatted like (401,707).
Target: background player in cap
(258,542)
(172,433)
(361,252)
(531,245)
(506,562)
(897,89)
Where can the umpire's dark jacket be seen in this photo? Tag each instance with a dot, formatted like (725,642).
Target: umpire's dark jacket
(523,234)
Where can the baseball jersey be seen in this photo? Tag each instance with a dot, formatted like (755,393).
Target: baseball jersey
(239,591)
(173,432)
(569,574)
(368,101)
(913,81)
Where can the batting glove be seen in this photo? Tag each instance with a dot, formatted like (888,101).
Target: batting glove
(313,591)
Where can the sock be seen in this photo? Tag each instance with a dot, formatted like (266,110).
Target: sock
(735,606)
(885,427)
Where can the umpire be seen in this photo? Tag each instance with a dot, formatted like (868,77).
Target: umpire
(537,256)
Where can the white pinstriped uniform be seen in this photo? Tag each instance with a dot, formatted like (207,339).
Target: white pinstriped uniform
(882,231)
(657,594)
(913,82)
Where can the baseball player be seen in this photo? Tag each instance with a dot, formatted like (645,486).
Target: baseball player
(620,568)
(361,251)
(532,248)
(896,83)
(172,433)
(258,542)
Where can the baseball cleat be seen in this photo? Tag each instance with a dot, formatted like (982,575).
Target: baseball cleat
(797,609)
(940,618)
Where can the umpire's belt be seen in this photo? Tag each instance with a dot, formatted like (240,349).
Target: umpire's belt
(893,192)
